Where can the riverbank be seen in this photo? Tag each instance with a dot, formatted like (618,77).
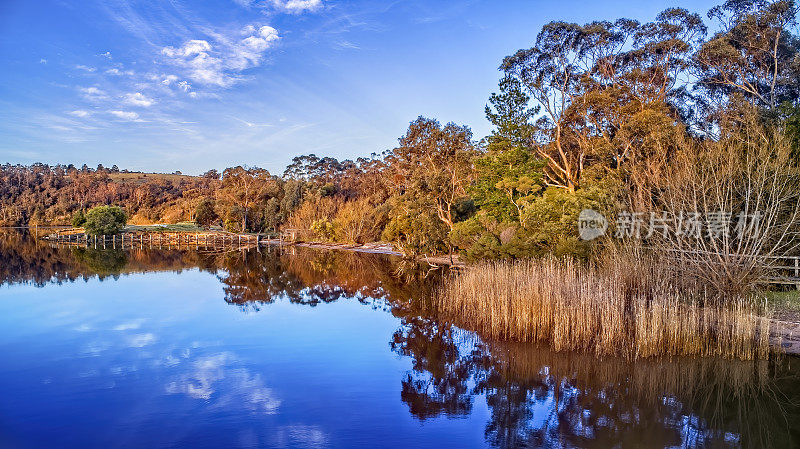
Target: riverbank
(191,234)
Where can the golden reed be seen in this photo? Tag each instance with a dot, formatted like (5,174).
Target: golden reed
(624,309)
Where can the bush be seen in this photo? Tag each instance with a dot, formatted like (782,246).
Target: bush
(324,229)
(78,219)
(204,213)
(359,221)
(105,220)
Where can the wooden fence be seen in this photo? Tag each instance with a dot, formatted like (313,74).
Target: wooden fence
(168,240)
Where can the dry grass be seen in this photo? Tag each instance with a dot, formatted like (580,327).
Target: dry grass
(141,178)
(626,308)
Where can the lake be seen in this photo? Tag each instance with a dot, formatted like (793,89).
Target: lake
(293,347)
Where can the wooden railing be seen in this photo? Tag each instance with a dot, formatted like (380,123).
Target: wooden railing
(198,240)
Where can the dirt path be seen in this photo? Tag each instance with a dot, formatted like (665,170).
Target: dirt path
(786,336)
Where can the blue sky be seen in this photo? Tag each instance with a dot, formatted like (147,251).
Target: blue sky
(178,85)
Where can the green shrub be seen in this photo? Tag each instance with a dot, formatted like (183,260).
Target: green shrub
(105,220)
(324,229)
(78,219)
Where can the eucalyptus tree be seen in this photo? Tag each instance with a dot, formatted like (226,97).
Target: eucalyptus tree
(601,86)
(245,188)
(753,56)
(428,175)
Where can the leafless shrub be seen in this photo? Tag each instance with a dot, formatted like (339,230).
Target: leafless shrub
(745,190)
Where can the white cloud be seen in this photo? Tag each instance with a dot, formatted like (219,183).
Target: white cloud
(190,48)
(43,61)
(221,64)
(297,6)
(125,115)
(287,6)
(184,86)
(85,68)
(106,55)
(139,99)
(118,72)
(93,93)
(216,379)
(261,40)
(168,79)
(80,113)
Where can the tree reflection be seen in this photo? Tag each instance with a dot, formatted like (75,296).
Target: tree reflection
(538,398)
(535,397)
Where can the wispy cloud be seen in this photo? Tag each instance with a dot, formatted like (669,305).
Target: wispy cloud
(347,45)
(124,115)
(251,124)
(297,6)
(86,68)
(287,6)
(128,325)
(80,113)
(93,93)
(117,72)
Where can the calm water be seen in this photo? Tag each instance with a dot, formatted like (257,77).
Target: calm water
(168,348)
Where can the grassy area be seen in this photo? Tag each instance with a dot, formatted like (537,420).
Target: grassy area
(175,227)
(141,178)
(789,299)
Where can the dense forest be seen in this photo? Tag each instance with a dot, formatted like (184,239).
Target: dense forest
(615,116)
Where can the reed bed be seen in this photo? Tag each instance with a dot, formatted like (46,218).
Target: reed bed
(624,309)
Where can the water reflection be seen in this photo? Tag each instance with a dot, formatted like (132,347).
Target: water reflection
(541,398)
(534,397)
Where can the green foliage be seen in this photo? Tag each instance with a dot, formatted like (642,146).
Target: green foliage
(292,196)
(509,178)
(509,174)
(415,230)
(552,220)
(232,225)
(205,214)
(483,237)
(324,229)
(78,219)
(105,220)
(549,226)
(273,216)
(102,261)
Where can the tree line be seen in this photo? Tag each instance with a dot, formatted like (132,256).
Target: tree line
(606,115)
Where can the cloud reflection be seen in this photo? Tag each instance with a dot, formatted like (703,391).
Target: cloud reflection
(206,377)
